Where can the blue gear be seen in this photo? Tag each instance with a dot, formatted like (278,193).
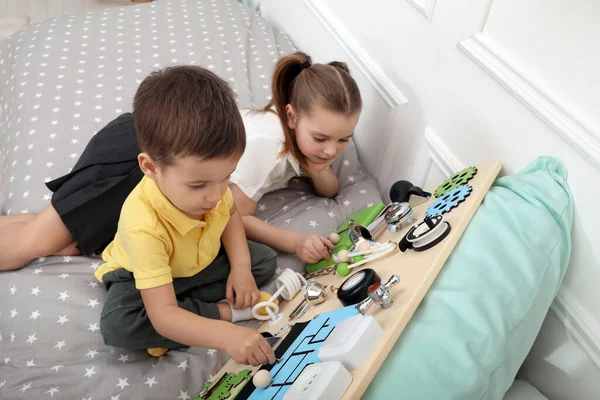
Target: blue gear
(449,200)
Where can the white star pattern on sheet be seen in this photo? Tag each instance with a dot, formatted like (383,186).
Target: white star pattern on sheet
(62,319)
(124,358)
(122,383)
(52,391)
(57,367)
(89,372)
(151,381)
(60,344)
(92,353)
(183,395)
(183,365)
(32,339)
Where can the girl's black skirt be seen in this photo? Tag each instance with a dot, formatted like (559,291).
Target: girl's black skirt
(89,198)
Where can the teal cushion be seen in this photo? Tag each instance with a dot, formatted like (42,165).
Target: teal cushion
(480,318)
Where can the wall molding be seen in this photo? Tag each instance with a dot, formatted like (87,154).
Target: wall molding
(425,7)
(574,319)
(384,86)
(441,155)
(571,123)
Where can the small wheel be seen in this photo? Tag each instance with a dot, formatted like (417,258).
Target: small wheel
(354,289)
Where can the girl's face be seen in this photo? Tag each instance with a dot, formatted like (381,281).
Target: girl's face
(323,135)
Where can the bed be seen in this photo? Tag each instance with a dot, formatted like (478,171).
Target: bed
(63,79)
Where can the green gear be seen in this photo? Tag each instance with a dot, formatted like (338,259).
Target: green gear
(456,180)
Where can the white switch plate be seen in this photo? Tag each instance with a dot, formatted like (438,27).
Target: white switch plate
(321,381)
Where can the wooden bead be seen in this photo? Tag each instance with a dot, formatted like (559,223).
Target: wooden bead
(334,237)
(261,379)
(343,256)
(363,246)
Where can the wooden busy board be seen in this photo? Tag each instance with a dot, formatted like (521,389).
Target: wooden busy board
(417,271)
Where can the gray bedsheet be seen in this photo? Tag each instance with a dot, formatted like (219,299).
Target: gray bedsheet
(60,82)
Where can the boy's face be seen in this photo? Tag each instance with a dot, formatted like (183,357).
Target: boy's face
(192,184)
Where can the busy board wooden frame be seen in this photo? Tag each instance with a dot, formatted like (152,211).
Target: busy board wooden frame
(417,271)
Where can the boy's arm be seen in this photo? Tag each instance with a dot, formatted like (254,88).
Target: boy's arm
(241,290)
(149,256)
(235,242)
(244,345)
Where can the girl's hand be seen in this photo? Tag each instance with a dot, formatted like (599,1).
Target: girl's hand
(241,286)
(312,248)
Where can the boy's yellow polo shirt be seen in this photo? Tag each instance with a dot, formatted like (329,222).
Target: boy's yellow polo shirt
(158,242)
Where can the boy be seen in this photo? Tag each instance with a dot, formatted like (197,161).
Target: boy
(180,247)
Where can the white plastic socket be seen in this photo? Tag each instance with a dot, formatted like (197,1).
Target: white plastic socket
(351,341)
(320,381)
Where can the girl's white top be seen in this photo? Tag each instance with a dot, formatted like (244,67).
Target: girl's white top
(261,169)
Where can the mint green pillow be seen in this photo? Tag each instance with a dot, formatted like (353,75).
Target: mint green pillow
(480,318)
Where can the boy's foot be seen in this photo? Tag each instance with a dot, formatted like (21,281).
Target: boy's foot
(157,351)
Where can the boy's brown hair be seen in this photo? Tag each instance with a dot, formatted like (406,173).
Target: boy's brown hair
(187,110)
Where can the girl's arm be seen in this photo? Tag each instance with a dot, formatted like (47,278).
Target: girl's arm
(325,182)
(310,248)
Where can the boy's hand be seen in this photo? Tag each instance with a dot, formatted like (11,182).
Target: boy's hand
(242,288)
(312,248)
(247,346)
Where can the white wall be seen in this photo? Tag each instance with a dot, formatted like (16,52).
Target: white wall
(501,79)
(566,55)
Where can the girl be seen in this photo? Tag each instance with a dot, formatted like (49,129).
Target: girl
(306,126)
